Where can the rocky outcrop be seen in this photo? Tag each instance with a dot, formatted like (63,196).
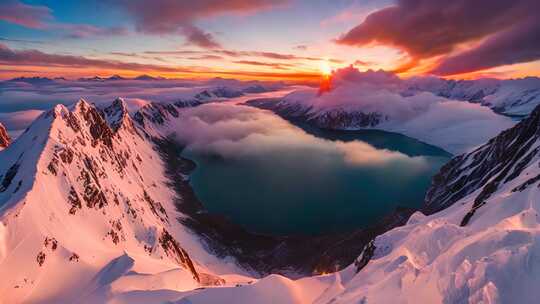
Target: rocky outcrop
(335,119)
(487,168)
(156,113)
(117,116)
(5,140)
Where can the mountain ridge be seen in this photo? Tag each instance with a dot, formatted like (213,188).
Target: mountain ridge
(79,167)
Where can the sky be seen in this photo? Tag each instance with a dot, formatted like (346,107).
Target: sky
(268,40)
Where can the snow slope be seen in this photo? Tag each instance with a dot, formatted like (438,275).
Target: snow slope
(84,207)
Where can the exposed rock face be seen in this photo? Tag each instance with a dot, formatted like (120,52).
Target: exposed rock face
(337,119)
(340,119)
(156,113)
(117,116)
(495,163)
(4,137)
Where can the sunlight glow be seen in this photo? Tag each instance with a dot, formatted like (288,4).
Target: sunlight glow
(326,70)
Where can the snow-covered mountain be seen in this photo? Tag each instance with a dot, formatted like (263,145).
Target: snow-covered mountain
(221,93)
(209,95)
(84,209)
(517,97)
(5,140)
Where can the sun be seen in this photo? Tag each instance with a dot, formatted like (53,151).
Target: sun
(326,70)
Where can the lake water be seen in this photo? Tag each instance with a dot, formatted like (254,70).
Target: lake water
(302,190)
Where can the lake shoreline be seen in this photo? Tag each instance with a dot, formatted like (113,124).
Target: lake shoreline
(293,256)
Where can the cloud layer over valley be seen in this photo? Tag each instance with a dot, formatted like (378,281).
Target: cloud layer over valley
(454,125)
(241,131)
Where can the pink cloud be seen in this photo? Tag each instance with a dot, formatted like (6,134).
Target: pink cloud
(40,17)
(31,16)
(178,17)
(275,65)
(515,45)
(38,58)
(426,29)
(197,36)
(85,31)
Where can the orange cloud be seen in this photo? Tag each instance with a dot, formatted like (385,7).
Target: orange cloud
(428,29)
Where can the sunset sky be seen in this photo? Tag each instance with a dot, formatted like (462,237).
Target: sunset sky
(259,39)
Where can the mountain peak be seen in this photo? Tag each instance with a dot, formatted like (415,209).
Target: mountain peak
(116,77)
(81,106)
(144,77)
(117,115)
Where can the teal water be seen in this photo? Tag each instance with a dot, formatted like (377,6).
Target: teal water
(295,192)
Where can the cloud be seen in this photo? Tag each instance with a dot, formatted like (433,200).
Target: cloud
(363,62)
(21,40)
(239,54)
(20,95)
(198,37)
(40,17)
(453,125)
(179,17)
(301,47)
(84,31)
(206,57)
(425,29)
(269,55)
(234,132)
(515,45)
(18,120)
(38,58)
(31,16)
(281,66)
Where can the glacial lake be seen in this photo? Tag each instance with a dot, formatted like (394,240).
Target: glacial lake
(307,191)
